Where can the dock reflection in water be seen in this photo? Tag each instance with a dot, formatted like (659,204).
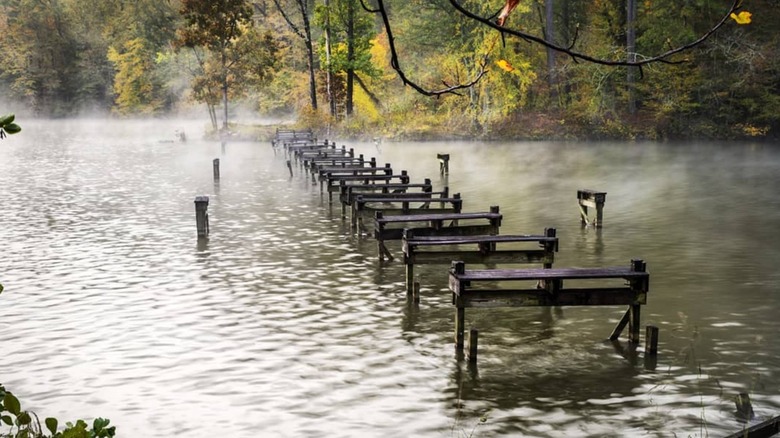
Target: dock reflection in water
(284,324)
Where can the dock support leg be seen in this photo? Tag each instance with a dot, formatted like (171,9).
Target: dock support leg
(633,336)
(651,340)
(599,215)
(620,325)
(409,279)
(215,164)
(583,215)
(460,321)
(473,340)
(383,251)
(416,293)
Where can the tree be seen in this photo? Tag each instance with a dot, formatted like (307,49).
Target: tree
(39,50)
(500,24)
(351,33)
(303,31)
(234,51)
(137,89)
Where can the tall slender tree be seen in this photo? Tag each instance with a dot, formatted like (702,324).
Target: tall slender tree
(303,31)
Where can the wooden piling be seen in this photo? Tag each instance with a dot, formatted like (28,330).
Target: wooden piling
(289,166)
(473,340)
(416,293)
(744,406)
(651,340)
(444,163)
(215,164)
(202,215)
(593,199)
(458,268)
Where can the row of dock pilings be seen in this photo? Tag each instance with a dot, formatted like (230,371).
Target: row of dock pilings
(434,228)
(446,234)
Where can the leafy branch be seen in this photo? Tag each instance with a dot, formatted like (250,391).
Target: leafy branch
(500,25)
(396,64)
(7,126)
(25,424)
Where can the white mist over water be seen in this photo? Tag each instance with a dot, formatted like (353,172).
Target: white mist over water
(284,324)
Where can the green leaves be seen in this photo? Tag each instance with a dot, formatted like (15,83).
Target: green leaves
(7,126)
(12,404)
(51,424)
(27,425)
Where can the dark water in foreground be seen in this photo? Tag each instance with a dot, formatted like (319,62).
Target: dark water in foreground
(284,324)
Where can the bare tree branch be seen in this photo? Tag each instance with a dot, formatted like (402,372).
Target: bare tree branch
(289,20)
(578,56)
(396,65)
(568,49)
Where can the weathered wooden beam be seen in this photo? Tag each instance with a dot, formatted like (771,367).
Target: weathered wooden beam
(202,216)
(765,429)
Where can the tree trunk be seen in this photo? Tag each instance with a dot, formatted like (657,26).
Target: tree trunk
(225,91)
(310,54)
(549,33)
(631,52)
(350,56)
(329,76)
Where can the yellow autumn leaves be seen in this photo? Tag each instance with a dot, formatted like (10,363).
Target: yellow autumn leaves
(742,18)
(505,65)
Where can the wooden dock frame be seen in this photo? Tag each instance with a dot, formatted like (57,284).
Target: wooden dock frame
(634,294)
(283,135)
(348,192)
(593,199)
(395,204)
(321,168)
(333,181)
(433,224)
(486,251)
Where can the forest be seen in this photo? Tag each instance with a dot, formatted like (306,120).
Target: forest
(337,65)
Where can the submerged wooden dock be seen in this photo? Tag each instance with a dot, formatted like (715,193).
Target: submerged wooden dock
(434,227)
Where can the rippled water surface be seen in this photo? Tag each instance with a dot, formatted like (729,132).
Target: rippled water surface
(284,324)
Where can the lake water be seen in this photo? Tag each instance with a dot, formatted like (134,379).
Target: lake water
(284,324)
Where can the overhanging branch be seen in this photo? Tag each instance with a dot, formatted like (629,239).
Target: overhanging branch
(579,56)
(396,65)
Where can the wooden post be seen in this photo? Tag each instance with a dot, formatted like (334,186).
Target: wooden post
(409,278)
(473,340)
(744,406)
(550,247)
(495,223)
(594,199)
(216,169)
(633,336)
(651,340)
(202,215)
(444,163)
(404,177)
(289,166)
(459,268)
(416,293)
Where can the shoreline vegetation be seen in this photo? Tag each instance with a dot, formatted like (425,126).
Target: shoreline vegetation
(528,127)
